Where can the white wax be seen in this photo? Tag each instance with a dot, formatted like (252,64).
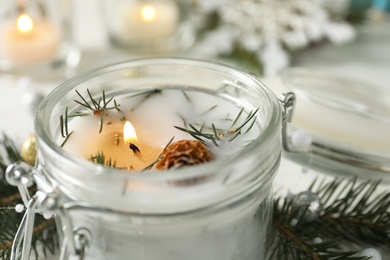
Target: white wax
(154,120)
(158,22)
(234,234)
(348,128)
(39,45)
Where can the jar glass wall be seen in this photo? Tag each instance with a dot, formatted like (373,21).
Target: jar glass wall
(217,210)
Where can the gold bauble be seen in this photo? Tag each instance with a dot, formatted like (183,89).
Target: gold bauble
(28,150)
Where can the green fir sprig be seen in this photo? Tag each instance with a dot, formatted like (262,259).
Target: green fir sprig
(98,107)
(146,95)
(45,240)
(214,134)
(150,166)
(353,215)
(100,158)
(64,130)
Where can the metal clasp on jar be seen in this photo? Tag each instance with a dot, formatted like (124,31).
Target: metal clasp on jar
(48,200)
(288,101)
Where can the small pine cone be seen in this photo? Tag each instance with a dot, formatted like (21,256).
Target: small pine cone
(183,153)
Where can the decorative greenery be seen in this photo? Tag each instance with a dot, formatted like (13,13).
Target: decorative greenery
(100,158)
(44,232)
(214,134)
(98,107)
(150,166)
(64,127)
(353,215)
(147,94)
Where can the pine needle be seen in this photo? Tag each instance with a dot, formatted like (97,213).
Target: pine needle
(352,215)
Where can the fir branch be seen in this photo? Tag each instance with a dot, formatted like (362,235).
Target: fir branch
(250,116)
(215,135)
(147,94)
(97,106)
(100,158)
(66,139)
(150,166)
(186,96)
(10,198)
(210,109)
(44,232)
(352,215)
(64,129)
(238,116)
(246,59)
(11,152)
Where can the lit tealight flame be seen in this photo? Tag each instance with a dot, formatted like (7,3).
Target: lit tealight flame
(131,139)
(129,134)
(148,13)
(25,23)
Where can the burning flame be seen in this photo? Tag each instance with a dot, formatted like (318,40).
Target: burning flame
(25,23)
(148,13)
(129,133)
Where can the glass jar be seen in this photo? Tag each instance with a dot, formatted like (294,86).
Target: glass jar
(348,119)
(169,215)
(36,34)
(149,26)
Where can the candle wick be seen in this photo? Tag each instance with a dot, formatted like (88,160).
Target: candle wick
(136,151)
(134,148)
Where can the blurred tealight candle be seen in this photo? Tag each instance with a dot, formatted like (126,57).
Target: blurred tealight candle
(25,41)
(142,21)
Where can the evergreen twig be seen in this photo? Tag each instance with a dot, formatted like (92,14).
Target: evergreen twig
(146,95)
(352,215)
(96,106)
(216,135)
(44,232)
(150,166)
(100,158)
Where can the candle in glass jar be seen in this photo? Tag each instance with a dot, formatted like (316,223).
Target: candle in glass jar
(217,209)
(143,21)
(26,41)
(156,117)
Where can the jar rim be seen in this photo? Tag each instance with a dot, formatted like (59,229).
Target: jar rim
(44,138)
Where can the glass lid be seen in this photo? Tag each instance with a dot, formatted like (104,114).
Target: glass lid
(348,119)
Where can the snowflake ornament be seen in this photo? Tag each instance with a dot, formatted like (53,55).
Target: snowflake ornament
(272,28)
